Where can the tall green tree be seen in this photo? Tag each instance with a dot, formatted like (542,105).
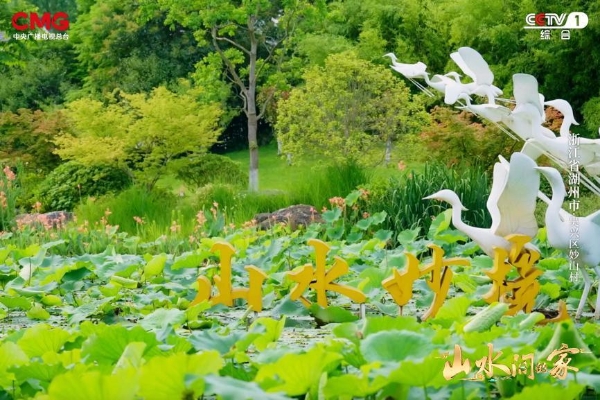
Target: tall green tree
(347,110)
(250,38)
(115,49)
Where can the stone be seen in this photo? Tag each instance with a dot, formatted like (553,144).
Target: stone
(53,219)
(294,216)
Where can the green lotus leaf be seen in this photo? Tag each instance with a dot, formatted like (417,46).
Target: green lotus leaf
(178,375)
(93,385)
(228,388)
(296,374)
(396,346)
(107,344)
(42,338)
(155,266)
(11,355)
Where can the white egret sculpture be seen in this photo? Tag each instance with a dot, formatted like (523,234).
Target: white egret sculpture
(418,70)
(529,102)
(442,82)
(511,205)
(493,112)
(473,65)
(526,121)
(410,71)
(558,228)
(540,194)
(557,147)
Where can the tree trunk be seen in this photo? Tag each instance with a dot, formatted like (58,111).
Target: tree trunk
(388,151)
(253,147)
(279,145)
(251,110)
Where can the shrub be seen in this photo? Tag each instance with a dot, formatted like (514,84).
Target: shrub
(209,168)
(456,138)
(71,182)
(402,198)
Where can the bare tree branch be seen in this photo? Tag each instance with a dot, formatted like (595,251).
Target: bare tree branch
(265,104)
(230,67)
(233,43)
(245,100)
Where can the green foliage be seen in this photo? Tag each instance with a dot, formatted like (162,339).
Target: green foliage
(71,183)
(344,109)
(452,135)
(236,32)
(335,180)
(117,51)
(174,351)
(209,168)
(591,114)
(153,207)
(402,198)
(27,136)
(147,132)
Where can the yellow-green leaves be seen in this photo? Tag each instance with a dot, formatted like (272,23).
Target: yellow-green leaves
(159,126)
(41,339)
(175,376)
(296,374)
(155,266)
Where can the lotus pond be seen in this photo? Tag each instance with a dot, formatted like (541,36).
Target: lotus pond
(121,326)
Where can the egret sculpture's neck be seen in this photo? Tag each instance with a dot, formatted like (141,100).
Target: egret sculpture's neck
(458,222)
(557,230)
(564,128)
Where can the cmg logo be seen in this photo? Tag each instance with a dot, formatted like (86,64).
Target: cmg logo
(23,21)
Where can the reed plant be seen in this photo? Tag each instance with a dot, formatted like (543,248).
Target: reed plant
(402,197)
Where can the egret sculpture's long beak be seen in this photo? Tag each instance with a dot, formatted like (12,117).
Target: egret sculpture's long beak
(429,198)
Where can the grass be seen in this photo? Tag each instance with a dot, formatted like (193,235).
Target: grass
(276,174)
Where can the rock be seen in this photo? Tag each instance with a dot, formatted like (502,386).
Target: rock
(300,214)
(53,219)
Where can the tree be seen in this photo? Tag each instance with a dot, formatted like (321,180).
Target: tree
(346,109)
(144,133)
(250,38)
(116,50)
(27,136)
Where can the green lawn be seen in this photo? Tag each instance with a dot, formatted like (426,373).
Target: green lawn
(276,174)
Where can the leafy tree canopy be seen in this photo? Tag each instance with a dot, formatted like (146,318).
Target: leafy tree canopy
(144,132)
(344,109)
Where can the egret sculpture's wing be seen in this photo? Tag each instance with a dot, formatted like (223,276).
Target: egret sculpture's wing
(452,92)
(525,90)
(476,63)
(462,65)
(498,183)
(517,202)
(398,68)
